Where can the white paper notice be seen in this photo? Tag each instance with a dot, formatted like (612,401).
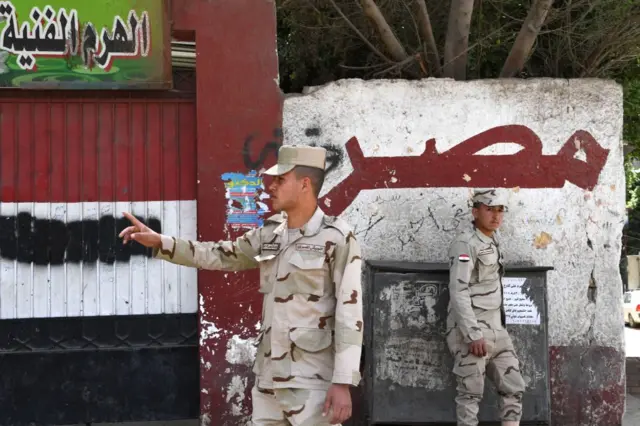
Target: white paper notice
(519,308)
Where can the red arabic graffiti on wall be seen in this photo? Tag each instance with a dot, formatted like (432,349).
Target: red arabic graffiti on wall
(459,167)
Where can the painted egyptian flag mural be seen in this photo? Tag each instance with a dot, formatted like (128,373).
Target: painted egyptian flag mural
(68,169)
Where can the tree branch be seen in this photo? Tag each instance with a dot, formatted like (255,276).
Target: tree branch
(526,37)
(400,64)
(364,39)
(455,47)
(389,39)
(427,34)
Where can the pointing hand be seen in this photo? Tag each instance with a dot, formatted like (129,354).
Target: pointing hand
(140,233)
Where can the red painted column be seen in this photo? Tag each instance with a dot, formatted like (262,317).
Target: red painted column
(237,97)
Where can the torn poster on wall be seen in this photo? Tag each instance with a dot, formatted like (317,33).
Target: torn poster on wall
(519,308)
(78,44)
(245,195)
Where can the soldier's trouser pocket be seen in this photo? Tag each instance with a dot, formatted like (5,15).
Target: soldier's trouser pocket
(284,407)
(470,388)
(504,371)
(266,409)
(469,374)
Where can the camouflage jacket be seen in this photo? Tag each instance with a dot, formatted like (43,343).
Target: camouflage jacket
(475,284)
(312,319)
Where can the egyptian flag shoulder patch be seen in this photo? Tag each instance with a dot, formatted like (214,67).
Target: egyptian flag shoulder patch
(464,258)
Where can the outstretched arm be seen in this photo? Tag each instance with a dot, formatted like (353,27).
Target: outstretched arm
(222,255)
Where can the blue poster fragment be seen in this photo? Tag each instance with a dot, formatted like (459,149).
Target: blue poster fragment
(245,194)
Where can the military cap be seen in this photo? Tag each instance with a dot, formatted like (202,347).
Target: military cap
(290,156)
(490,197)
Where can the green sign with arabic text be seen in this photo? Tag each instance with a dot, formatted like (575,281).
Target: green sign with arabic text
(81,44)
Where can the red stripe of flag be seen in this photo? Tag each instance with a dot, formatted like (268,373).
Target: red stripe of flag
(97,150)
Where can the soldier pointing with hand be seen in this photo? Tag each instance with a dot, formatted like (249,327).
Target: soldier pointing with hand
(476,331)
(310,343)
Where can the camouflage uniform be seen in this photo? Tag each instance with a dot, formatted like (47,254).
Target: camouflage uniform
(475,311)
(312,319)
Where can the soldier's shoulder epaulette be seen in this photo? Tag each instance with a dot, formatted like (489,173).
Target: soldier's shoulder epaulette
(276,218)
(337,223)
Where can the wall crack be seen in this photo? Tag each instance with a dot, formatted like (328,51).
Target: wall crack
(592,294)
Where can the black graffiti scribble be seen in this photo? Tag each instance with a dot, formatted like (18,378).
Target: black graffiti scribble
(53,242)
(312,131)
(335,153)
(461,167)
(335,156)
(449,222)
(271,146)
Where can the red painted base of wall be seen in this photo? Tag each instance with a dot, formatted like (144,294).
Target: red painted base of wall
(587,386)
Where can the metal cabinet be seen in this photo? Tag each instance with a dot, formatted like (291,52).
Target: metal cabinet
(408,375)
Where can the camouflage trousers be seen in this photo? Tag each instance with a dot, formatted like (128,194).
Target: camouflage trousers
(284,407)
(500,365)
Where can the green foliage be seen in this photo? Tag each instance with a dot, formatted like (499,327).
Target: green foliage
(632,230)
(325,40)
(631,136)
(632,176)
(631,87)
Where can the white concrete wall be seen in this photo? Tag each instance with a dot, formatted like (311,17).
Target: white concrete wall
(574,230)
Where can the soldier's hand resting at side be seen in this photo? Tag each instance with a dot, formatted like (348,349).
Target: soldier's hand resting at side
(478,347)
(338,403)
(140,233)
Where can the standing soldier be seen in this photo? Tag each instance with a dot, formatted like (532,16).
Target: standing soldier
(310,343)
(476,336)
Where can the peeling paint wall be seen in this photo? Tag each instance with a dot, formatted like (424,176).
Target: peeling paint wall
(404,157)
(229,303)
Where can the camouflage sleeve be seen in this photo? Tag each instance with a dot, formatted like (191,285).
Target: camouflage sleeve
(235,255)
(347,275)
(462,261)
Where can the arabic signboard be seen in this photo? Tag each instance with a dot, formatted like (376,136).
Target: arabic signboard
(80,44)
